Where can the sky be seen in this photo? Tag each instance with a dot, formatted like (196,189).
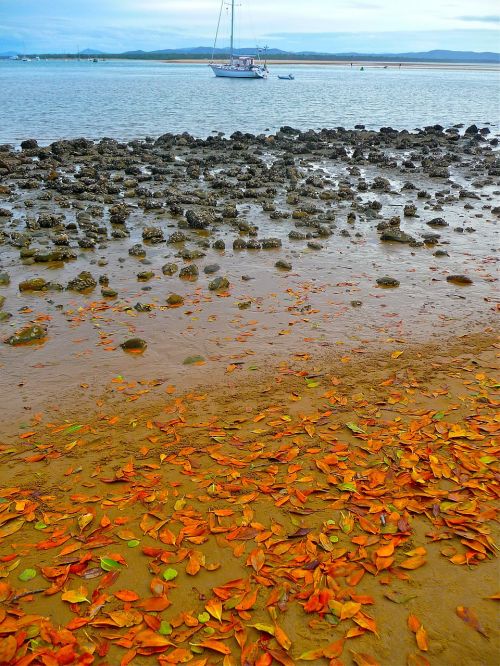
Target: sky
(335,26)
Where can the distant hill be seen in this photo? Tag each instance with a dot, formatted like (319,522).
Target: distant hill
(202,52)
(91,52)
(425,56)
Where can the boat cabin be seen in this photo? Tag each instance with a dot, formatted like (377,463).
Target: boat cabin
(244,62)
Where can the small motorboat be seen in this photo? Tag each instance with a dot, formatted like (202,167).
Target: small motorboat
(288,77)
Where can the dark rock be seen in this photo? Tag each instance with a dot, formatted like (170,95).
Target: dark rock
(134,345)
(410,210)
(437,222)
(239,244)
(27,334)
(175,299)
(137,250)
(177,237)
(387,281)
(83,282)
(211,268)
(459,279)
(218,283)
(170,269)
(34,284)
(283,265)
(395,235)
(119,214)
(153,235)
(29,144)
(189,272)
(144,276)
(219,244)
(198,220)
(190,255)
(143,307)
(270,243)
(107,292)
(4,280)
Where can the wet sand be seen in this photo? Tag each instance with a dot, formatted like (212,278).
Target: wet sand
(367,64)
(342,371)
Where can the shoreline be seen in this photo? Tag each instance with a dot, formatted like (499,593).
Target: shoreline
(389,64)
(248,397)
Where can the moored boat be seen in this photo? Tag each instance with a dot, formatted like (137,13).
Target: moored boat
(238,67)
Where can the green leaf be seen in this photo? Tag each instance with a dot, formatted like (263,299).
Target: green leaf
(332,619)
(334,538)
(40,525)
(312,384)
(355,428)
(32,631)
(203,617)
(192,359)
(351,487)
(438,416)
(210,631)
(73,428)
(165,628)
(170,574)
(267,628)
(486,460)
(108,564)
(133,543)
(27,574)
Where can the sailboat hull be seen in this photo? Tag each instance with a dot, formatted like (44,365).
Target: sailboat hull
(228,72)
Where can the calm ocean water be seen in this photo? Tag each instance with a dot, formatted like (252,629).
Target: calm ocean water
(124,100)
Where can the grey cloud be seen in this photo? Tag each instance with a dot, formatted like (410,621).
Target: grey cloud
(491,18)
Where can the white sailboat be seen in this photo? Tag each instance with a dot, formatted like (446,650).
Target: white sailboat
(238,67)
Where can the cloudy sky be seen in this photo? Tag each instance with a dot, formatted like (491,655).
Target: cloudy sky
(321,25)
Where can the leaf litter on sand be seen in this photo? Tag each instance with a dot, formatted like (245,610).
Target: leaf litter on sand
(244,523)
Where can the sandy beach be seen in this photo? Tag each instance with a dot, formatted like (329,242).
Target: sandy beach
(358,63)
(249,401)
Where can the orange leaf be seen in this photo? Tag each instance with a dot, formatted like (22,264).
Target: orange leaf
(413,562)
(126,595)
(387,550)
(282,638)
(257,559)
(365,621)
(334,649)
(196,561)
(217,646)
(248,601)
(214,607)
(349,609)
(414,623)
(422,640)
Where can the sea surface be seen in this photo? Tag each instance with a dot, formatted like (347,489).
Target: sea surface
(50,100)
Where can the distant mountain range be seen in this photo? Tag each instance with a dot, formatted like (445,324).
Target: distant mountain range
(431,56)
(91,52)
(275,54)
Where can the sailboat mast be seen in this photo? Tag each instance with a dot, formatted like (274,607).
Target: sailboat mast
(232,31)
